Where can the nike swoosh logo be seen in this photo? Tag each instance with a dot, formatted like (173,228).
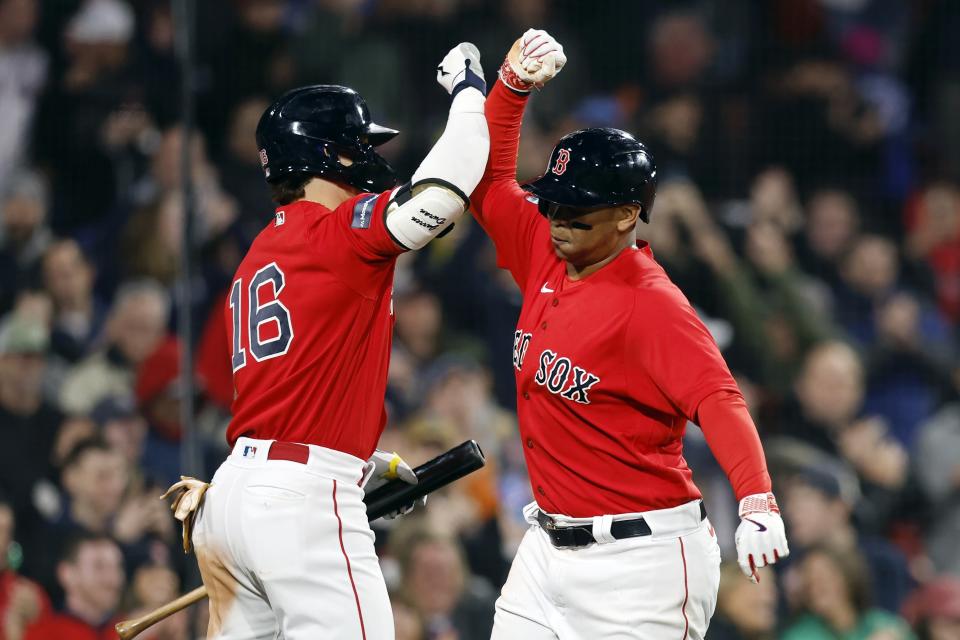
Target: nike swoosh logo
(442,72)
(761,528)
(545,289)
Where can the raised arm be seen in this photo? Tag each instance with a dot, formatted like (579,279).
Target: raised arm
(533,60)
(440,188)
(500,205)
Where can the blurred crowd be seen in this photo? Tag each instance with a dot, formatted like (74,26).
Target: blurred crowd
(809,207)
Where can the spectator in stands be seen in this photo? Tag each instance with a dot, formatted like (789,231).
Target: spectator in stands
(818,508)
(869,274)
(406,621)
(764,297)
(154,585)
(828,395)
(91,574)
(937,469)
(934,610)
(909,363)
(96,481)
(78,316)
(421,336)
(28,423)
(135,326)
(95,107)
(151,240)
(439,587)
(23,67)
(836,601)
(745,611)
(25,233)
(158,400)
(241,172)
(933,224)
(832,224)
(125,430)
(22,600)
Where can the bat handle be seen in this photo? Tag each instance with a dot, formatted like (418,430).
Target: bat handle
(131,628)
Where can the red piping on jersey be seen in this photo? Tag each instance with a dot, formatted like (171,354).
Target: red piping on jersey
(356,596)
(686,622)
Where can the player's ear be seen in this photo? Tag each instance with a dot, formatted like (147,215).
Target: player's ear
(627,217)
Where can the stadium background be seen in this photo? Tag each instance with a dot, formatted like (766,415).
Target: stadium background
(809,157)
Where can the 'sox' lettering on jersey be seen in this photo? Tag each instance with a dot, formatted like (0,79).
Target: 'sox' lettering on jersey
(363,211)
(581,382)
(521,341)
(546,359)
(554,374)
(558,375)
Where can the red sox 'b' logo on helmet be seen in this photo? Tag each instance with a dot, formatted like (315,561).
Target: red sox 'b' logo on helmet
(563,157)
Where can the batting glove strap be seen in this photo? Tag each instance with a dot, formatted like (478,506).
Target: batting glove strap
(470,79)
(512,79)
(384,466)
(758,503)
(460,69)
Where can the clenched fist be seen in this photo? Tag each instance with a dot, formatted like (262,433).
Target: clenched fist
(533,61)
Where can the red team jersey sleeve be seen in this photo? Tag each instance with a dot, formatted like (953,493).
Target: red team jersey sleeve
(363,221)
(500,205)
(676,350)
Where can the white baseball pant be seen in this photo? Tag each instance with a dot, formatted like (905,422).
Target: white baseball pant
(657,587)
(285,549)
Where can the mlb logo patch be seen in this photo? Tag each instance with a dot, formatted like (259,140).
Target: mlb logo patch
(280,219)
(249,452)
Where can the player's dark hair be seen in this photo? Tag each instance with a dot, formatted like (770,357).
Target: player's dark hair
(289,189)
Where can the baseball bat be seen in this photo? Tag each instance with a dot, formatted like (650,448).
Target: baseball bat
(434,474)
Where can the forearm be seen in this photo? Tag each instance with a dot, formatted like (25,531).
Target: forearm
(504,113)
(458,158)
(733,439)
(504,119)
(441,187)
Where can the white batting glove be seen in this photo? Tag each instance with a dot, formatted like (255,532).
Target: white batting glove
(384,466)
(761,539)
(533,61)
(461,69)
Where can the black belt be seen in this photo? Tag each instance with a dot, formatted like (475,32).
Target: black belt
(581,535)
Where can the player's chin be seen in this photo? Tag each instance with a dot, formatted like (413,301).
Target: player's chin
(563,248)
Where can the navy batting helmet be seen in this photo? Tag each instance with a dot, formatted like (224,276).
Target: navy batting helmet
(598,167)
(307,129)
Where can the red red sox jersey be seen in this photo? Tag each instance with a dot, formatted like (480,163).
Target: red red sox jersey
(609,368)
(310,321)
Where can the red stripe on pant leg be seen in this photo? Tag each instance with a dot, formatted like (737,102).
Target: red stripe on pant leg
(686,622)
(356,596)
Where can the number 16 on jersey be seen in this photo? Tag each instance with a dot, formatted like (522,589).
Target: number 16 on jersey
(266,328)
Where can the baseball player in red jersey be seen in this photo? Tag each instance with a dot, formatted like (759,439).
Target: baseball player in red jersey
(282,536)
(611,363)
